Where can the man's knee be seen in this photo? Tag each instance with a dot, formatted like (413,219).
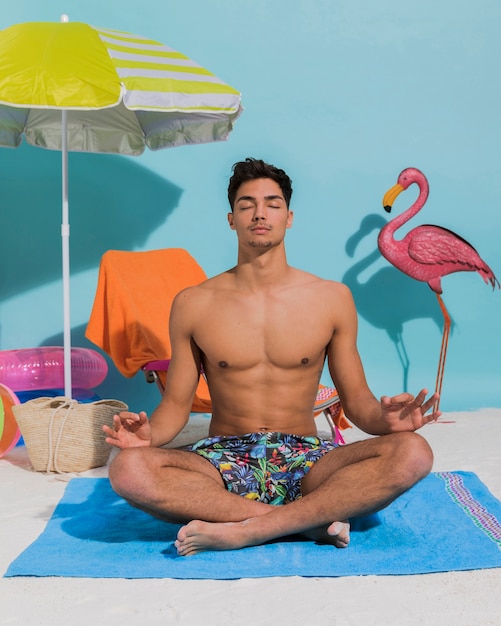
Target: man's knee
(415,456)
(127,470)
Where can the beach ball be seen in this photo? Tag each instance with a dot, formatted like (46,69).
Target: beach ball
(9,431)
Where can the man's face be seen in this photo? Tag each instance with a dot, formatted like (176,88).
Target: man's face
(260,215)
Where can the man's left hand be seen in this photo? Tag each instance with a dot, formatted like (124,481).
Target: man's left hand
(404,412)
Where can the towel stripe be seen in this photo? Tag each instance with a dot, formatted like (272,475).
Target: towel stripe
(461,495)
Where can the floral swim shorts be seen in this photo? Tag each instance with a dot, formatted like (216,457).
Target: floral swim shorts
(265,466)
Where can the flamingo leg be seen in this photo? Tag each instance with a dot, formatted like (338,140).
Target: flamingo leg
(443,349)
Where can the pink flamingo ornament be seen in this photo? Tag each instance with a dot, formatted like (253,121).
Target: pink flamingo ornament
(427,252)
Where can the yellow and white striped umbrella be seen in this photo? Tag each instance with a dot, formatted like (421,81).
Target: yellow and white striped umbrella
(122,92)
(72,87)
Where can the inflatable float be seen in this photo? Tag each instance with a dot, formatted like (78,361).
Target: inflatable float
(43,368)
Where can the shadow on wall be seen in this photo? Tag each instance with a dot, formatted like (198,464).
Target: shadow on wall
(388,298)
(114,203)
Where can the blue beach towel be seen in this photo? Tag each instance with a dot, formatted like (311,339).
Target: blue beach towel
(448,521)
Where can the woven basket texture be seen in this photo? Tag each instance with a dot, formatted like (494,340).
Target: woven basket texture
(64,435)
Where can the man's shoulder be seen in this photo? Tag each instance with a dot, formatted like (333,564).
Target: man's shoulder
(202,290)
(324,284)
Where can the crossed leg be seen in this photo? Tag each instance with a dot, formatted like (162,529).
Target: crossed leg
(178,486)
(353,480)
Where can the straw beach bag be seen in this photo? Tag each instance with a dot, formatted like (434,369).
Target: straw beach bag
(64,435)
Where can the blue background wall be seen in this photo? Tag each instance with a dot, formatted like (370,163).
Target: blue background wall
(343,94)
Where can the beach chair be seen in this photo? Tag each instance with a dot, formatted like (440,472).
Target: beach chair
(130,321)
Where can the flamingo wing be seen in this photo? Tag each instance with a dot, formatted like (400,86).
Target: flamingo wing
(433,245)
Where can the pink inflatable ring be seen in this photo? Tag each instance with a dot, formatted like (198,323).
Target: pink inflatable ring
(43,368)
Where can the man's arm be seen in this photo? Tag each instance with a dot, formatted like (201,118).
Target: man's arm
(345,366)
(402,412)
(169,418)
(173,412)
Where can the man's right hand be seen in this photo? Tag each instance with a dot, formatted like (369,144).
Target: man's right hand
(130,430)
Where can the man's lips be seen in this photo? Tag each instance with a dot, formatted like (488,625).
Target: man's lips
(260,229)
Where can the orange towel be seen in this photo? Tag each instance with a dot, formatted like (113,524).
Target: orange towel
(130,316)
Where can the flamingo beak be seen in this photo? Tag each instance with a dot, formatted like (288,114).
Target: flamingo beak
(390,196)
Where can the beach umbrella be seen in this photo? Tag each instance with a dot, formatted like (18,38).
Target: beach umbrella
(70,86)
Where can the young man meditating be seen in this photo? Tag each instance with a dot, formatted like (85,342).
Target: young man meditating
(262,331)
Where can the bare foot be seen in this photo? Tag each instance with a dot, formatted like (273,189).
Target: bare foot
(198,536)
(337,534)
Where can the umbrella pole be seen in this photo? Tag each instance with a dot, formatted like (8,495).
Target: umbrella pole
(65,242)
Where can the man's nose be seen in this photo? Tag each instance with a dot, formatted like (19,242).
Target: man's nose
(260,213)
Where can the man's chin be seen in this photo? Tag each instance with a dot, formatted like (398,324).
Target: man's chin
(260,244)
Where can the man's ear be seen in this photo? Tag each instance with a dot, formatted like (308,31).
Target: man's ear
(290,218)
(230,221)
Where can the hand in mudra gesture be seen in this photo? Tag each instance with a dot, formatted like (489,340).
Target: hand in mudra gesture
(405,412)
(130,430)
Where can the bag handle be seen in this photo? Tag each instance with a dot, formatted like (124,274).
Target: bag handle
(52,457)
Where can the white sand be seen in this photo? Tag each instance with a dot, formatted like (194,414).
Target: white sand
(27,499)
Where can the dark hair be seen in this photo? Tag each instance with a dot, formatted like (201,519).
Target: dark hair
(251,169)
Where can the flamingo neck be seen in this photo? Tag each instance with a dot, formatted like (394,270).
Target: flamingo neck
(400,220)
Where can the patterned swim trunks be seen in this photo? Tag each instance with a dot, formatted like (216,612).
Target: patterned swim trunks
(265,466)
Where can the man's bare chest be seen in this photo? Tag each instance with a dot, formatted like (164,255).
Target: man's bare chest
(285,337)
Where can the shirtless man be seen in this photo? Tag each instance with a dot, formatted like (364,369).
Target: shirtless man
(262,331)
